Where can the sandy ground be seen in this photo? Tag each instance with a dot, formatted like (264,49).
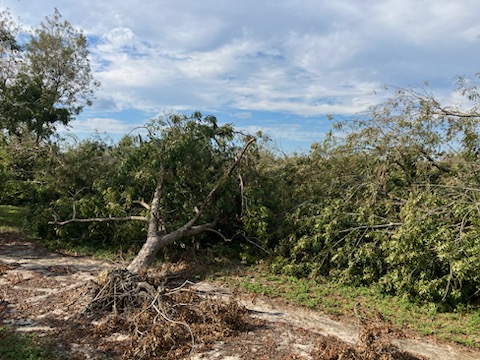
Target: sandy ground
(46,293)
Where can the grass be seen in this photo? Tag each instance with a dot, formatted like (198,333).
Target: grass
(14,346)
(461,326)
(12,218)
(109,253)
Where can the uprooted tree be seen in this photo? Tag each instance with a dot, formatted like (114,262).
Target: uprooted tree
(393,201)
(185,165)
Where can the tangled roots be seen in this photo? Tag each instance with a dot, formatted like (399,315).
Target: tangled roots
(162,322)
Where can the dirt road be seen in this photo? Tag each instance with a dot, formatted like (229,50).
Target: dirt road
(46,293)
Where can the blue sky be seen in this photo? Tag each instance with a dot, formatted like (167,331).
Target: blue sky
(277,66)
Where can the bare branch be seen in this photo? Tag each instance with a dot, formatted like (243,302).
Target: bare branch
(108,219)
(456,113)
(371,227)
(249,239)
(142,202)
(220,234)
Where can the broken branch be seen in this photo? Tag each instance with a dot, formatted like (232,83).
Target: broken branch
(108,219)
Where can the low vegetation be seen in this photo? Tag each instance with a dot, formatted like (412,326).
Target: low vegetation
(12,218)
(362,304)
(14,346)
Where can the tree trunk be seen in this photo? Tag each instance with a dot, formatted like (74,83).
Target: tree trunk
(156,229)
(155,243)
(157,238)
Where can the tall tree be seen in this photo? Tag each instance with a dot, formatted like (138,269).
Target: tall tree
(9,48)
(48,79)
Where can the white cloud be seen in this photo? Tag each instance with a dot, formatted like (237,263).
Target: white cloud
(304,58)
(99,125)
(427,23)
(243,115)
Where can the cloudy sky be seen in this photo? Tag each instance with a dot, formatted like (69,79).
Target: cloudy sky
(274,65)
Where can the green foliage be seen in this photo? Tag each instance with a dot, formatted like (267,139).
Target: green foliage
(392,202)
(27,107)
(195,152)
(434,253)
(82,181)
(92,179)
(24,347)
(22,163)
(44,82)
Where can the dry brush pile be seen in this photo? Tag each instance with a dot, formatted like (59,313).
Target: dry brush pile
(162,322)
(375,344)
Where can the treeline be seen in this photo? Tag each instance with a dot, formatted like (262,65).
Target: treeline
(389,198)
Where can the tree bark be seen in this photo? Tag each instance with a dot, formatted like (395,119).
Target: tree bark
(156,242)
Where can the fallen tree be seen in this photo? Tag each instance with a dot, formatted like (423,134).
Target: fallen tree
(180,140)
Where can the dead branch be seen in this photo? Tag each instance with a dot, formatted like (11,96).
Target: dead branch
(107,219)
(249,239)
(168,320)
(161,321)
(220,234)
(455,113)
(142,203)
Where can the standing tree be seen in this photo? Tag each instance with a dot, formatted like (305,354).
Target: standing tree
(9,48)
(46,81)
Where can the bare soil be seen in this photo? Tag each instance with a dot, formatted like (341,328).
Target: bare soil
(51,294)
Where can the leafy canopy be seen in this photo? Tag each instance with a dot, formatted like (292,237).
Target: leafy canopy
(47,80)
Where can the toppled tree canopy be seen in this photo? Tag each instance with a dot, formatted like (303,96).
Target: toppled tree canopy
(188,168)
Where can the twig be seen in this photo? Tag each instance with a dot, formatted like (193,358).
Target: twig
(177,323)
(220,234)
(185,283)
(370,227)
(252,242)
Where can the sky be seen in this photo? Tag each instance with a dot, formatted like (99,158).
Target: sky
(278,66)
